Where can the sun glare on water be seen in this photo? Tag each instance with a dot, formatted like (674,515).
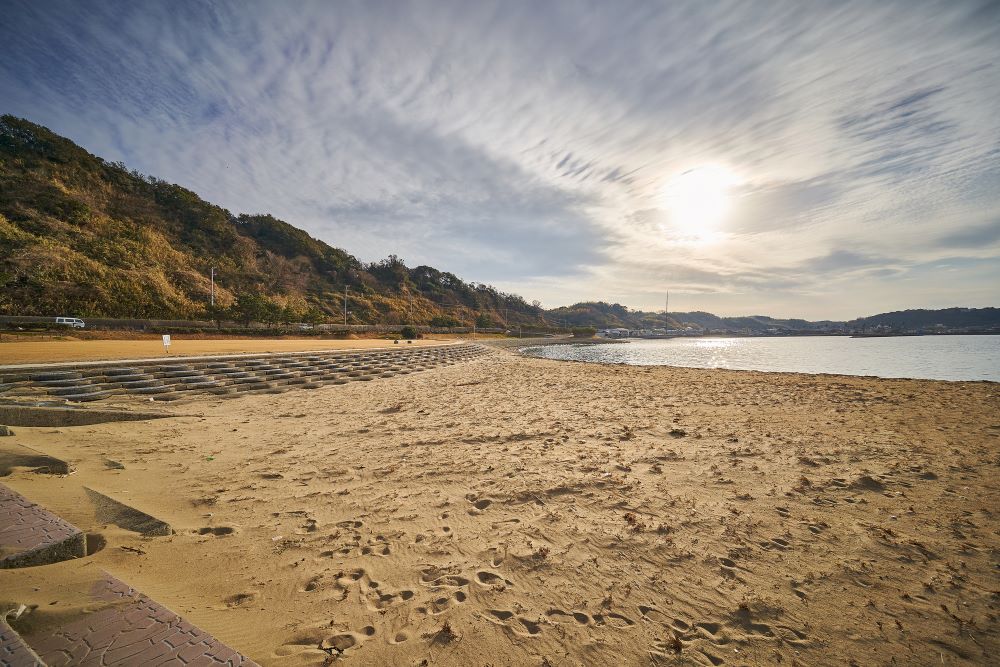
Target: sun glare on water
(698,201)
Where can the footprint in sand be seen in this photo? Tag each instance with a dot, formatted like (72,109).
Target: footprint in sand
(378,549)
(477,502)
(614,620)
(338,644)
(379,600)
(817,528)
(443,604)
(776,543)
(710,630)
(792,636)
(653,614)
(714,659)
(491,579)
(519,625)
(560,616)
(434,576)
(796,588)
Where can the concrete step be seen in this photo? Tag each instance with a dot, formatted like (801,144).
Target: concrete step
(144,391)
(92,396)
(80,388)
(55,375)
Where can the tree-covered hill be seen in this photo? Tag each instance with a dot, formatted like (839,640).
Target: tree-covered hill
(601,314)
(84,237)
(947,318)
(80,236)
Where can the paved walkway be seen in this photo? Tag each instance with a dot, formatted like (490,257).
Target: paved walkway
(127,627)
(133,631)
(31,535)
(13,651)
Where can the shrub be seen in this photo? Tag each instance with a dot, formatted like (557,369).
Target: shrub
(445,321)
(409,333)
(584,332)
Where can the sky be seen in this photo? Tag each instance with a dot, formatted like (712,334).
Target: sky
(818,160)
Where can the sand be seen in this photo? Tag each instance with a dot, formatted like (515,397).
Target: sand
(516,511)
(31,352)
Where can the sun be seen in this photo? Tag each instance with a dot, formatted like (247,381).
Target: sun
(699,199)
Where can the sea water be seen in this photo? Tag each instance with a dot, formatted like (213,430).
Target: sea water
(924,357)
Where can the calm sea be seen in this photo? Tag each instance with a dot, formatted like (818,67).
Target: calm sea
(926,357)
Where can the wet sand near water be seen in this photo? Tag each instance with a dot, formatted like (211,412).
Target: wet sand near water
(517,511)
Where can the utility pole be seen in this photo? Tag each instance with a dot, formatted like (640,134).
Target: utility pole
(666,310)
(345,305)
(213,286)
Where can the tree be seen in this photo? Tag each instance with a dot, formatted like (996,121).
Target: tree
(484,321)
(313,315)
(273,313)
(289,314)
(250,307)
(216,313)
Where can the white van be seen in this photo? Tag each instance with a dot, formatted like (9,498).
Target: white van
(74,322)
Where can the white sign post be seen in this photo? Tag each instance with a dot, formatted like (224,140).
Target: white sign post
(166,343)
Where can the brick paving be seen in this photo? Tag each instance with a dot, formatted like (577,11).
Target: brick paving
(132,630)
(13,651)
(31,535)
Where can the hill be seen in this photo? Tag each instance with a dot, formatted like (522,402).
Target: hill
(946,318)
(85,237)
(601,314)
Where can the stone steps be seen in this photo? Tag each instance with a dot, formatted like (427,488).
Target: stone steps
(171,380)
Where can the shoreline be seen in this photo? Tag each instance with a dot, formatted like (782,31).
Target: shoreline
(507,510)
(522,350)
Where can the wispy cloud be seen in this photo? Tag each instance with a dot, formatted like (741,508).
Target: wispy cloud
(528,144)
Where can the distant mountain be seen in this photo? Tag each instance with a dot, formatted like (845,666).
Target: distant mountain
(946,318)
(605,315)
(84,237)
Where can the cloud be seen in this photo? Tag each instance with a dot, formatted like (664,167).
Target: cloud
(528,144)
(972,237)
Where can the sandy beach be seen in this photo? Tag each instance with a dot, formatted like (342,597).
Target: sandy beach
(518,511)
